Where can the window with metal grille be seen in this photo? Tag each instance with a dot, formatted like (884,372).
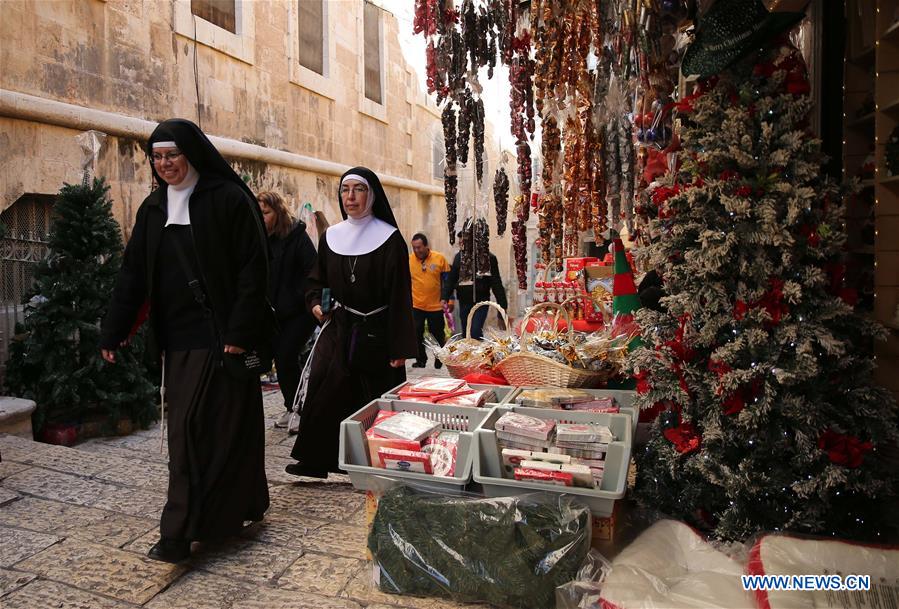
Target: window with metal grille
(222,13)
(371,26)
(26,231)
(311,27)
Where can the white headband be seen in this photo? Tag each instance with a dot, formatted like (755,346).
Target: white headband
(353,176)
(165,145)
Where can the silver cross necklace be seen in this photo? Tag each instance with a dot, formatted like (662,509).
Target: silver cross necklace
(353,269)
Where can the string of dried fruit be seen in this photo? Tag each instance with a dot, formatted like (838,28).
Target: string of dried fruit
(508,17)
(520,243)
(551,148)
(466,250)
(463,133)
(448,118)
(482,247)
(522,109)
(450,192)
(589,149)
(544,227)
(477,127)
(501,199)
(571,170)
(426,16)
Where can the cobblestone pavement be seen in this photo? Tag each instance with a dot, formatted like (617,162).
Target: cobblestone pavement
(76,523)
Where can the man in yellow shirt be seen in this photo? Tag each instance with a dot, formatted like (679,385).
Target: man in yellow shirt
(427,268)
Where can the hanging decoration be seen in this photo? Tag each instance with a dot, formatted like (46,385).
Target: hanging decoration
(501,199)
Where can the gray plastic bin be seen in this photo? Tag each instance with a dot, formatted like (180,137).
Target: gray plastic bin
(354,458)
(503,392)
(488,462)
(624,397)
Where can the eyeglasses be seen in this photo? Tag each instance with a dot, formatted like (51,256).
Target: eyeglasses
(168,156)
(357,190)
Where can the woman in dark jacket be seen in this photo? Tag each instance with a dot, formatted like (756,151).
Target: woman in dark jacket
(197,256)
(292,257)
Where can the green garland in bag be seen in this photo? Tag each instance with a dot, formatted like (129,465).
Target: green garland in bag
(506,551)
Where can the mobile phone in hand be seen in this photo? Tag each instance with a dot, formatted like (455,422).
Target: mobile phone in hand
(326,300)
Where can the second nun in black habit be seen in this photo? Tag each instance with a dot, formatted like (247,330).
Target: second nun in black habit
(369,332)
(202,223)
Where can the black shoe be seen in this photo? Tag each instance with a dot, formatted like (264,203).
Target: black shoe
(419,364)
(438,364)
(170,550)
(298,469)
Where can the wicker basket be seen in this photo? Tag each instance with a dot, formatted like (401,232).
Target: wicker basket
(524,368)
(460,371)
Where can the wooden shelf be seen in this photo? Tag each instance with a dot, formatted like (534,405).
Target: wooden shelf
(867,183)
(864,250)
(865,56)
(891,32)
(888,107)
(889,180)
(865,121)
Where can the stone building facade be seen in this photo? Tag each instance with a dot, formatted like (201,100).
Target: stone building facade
(291,91)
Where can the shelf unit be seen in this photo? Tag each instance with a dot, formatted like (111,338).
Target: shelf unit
(859,119)
(886,191)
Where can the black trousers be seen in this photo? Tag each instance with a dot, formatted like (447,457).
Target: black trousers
(477,324)
(436,325)
(287,346)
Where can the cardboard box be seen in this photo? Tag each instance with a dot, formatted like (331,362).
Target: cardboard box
(573,265)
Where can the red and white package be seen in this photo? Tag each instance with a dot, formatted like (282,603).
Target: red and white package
(539,475)
(405,460)
(523,425)
(432,386)
(376,442)
(442,447)
(470,399)
(406,426)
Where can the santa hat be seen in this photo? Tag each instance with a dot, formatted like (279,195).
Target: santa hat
(625,300)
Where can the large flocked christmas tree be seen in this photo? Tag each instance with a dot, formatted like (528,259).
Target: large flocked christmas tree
(770,419)
(57,360)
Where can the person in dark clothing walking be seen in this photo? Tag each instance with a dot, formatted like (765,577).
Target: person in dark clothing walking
(292,257)
(469,293)
(361,291)
(197,257)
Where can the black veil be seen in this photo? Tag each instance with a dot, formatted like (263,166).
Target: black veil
(204,157)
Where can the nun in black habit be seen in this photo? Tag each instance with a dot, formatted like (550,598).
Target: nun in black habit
(202,223)
(369,332)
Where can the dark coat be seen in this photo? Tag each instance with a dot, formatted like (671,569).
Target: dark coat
(483,285)
(292,257)
(232,257)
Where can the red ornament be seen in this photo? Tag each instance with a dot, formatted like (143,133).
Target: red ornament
(684,437)
(744,191)
(843,449)
(643,385)
(740,310)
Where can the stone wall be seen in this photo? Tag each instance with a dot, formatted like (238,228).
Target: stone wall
(138,59)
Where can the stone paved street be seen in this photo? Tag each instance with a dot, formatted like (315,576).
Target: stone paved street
(76,523)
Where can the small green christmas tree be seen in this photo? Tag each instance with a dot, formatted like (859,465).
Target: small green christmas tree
(771,420)
(57,361)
